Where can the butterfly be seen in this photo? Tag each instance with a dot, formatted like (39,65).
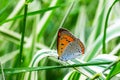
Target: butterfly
(68,46)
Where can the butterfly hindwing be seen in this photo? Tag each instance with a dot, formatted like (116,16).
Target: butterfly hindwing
(81,46)
(72,51)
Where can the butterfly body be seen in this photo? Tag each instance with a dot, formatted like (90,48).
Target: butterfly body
(68,46)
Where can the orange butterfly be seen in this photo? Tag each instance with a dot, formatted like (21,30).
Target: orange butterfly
(68,46)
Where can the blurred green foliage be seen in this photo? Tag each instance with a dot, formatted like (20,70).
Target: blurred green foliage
(86,20)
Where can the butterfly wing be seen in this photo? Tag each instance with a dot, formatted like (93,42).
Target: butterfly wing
(72,51)
(81,46)
(68,47)
(64,38)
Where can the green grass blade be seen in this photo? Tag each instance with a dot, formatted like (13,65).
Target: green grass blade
(105,28)
(81,24)
(115,70)
(30,14)
(23,34)
(112,32)
(63,21)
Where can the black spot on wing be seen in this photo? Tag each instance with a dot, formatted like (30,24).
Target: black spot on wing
(62,44)
(67,40)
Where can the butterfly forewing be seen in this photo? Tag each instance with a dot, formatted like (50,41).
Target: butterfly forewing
(64,38)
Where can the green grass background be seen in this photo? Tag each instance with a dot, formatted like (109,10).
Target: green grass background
(28,31)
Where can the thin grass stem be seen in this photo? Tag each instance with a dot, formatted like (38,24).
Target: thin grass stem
(106,24)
